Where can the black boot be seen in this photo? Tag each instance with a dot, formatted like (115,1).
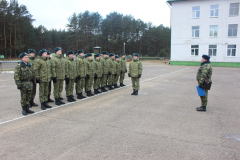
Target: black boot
(202,108)
(46,105)
(116,86)
(24,110)
(103,89)
(110,87)
(32,103)
(82,95)
(91,93)
(79,96)
(88,94)
(49,99)
(59,99)
(72,98)
(28,110)
(43,107)
(69,99)
(57,102)
(95,91)
(121,85)
(133,92)
(136,92)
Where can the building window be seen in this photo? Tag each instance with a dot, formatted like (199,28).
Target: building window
(213,31)
(231,51)
(195,31)
(214,10)
(234,9)
(232,30)
(212,51)
(194,50)
(196,12)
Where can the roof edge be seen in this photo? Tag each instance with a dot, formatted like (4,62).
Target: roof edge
(170,1)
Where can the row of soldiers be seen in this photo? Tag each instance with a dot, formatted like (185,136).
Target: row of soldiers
(102,73)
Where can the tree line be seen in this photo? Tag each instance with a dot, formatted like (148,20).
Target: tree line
(84,31)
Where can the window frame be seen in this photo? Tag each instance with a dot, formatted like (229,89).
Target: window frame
(214,10)
(231,50)
(233,7)
(194,50)
(196,12)
(232,30)
(194,31)
(212,50)
(213,31)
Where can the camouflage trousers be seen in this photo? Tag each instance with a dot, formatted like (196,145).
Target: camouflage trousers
(96,83)
(58,88)
(135,83)
(89,83)
(49,88)
(122,76)
(80,85)
(103,80)
(69,87)
(33,94)
(116,78)
(43,91)
(110,79)
(25,97)
(204,99)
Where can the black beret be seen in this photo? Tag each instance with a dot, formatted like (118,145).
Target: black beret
(80,51)
(22,55)
(57,49)
(31,51)
(111,54)
(69,52)
(85,55)
(104,52)
(89,55)
(123,54)
(136,54)
(116,56)
(96,55)
(42,51)
(206,57)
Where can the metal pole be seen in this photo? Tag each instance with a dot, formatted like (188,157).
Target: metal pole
(124,47)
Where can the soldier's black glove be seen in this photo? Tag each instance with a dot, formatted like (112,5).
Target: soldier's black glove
(54,80)
(121,72)
(139,76)
(76,80)
(78,77)
(109,73)
(129,75)
(126,70)
(95,76)
(38,81)
(102,75)
(67,80)
(201,86)
(20,87)
(87,76)
(115,74)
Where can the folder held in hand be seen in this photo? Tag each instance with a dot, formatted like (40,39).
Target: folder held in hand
(201,92)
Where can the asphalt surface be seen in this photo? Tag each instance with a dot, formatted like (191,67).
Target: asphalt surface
(160,123)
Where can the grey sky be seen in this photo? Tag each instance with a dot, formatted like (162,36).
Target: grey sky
(55,13)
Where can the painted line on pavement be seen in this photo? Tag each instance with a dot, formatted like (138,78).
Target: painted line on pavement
(29,115)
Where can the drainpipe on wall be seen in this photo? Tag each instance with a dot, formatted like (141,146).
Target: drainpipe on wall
(170,29)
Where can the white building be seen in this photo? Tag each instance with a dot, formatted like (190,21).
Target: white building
(205,27)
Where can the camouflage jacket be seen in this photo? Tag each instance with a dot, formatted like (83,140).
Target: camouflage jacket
(98,68)
(71,71)
(135,68)
(118,67)
(91,67)
(104,64)
(23,76)
(81,66)
(123,62)
(108,60)
(204,72)
(42,69)
(58,67)
(112,65)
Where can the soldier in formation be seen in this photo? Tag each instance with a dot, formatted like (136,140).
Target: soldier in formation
(123,64)
(91,73)
(50,83)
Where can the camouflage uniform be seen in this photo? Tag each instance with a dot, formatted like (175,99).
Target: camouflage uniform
(71,74)
(204,72)
(112,68)
(91,72)
(135,69)
(50,83)
(118,71)
(105,69)
(42,70)
(32,61)
(58,72)
(98,70)
(82,72)
(23,77)
(123,63)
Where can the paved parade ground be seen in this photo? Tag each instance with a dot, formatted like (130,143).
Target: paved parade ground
(160,123)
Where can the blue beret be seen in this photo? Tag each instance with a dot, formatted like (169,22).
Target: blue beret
(31,51)
(96,55)
(42,51)
(116,56)
(57,49)
(123,54)
(69,52)
(80,51)
(136,54)
(22,55)
(206,57)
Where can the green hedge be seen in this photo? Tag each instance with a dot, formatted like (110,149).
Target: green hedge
(214,64)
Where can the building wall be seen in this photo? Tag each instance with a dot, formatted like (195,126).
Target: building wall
(181,28)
